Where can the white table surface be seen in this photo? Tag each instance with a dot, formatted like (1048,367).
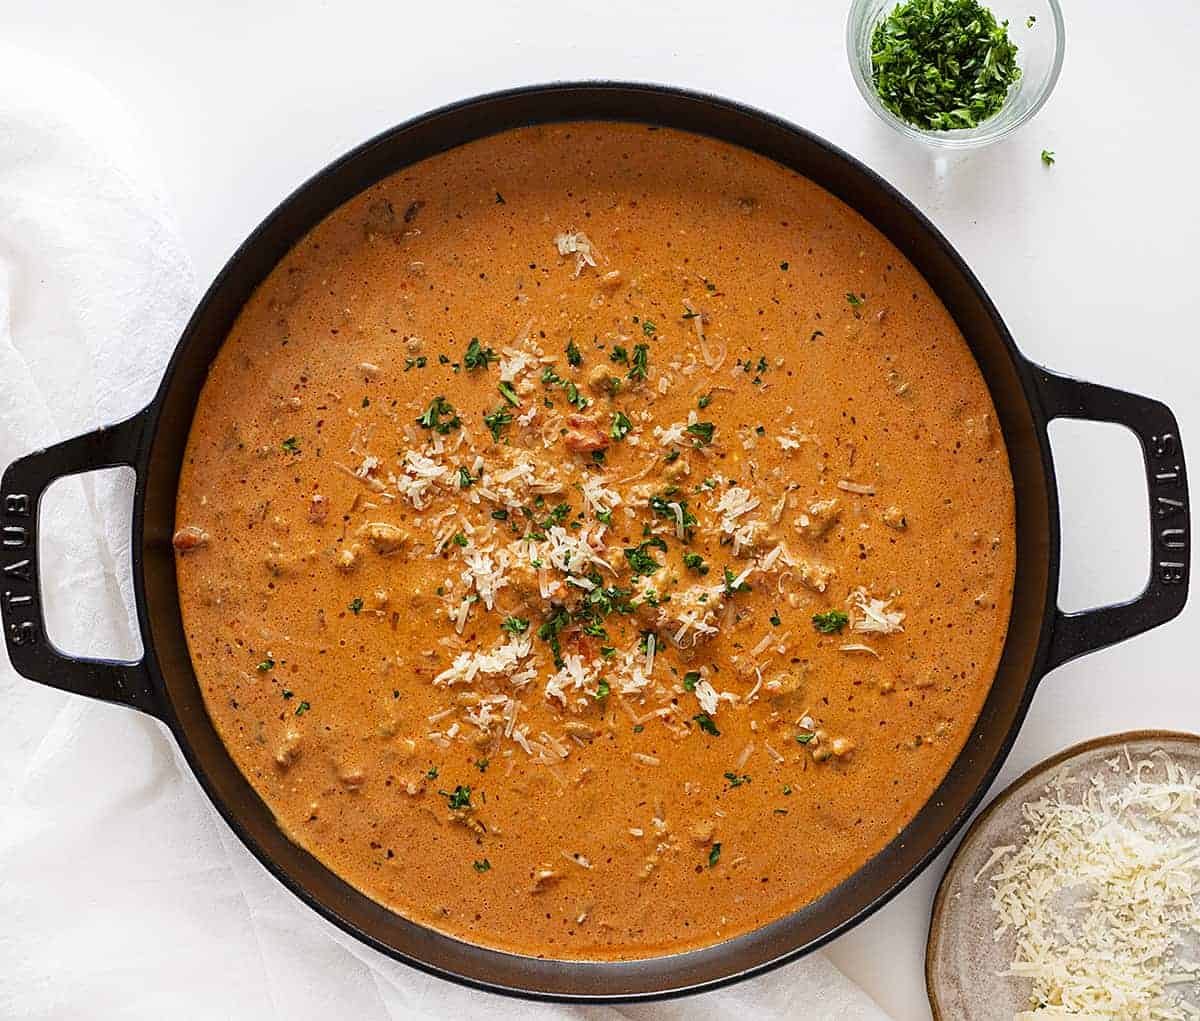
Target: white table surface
(1092,262)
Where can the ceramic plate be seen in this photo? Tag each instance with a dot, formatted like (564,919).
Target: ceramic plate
(964,965)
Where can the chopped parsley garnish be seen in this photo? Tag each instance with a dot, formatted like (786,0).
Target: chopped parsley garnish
(478,356)
(714,855)
(732,584)
(515,625)
(604,517)
(302,708)
(619,354)
(690,680)
(648,328)
(500,514)
(366,402)
(485,865)
(465,479)
(695,562)
(432,418)
(596,629)
(664,507)
(804,738)
(1048,157)
(355,605)
(703,431)
(265,665)
(482,764)
(459,539)
(637,370)
(830,622)
(704,401)
(574,397)
(432,773)
(853,299)
(602,690)
(497,420)
(291,445)
(705,723)
(783,266)
(509,394)
(1030,21)
(604,601)
(620,426)
(735,780)
(775,620)
(549,630)
(689,314)
(415,363)
(574,356)
(558,514)
(942,64)
(457,799)
(641,562)
(787,790)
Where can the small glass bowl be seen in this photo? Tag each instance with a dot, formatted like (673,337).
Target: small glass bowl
(1039,55)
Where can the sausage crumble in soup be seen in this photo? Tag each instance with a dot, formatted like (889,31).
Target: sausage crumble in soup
(594,541)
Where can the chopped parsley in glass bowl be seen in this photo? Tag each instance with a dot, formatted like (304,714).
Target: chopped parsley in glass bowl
(955,74)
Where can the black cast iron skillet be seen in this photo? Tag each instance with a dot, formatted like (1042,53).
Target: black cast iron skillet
(1040,636)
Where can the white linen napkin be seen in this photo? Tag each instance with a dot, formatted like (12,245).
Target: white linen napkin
(122,893)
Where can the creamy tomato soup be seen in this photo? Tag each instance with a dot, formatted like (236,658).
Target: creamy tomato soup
(594,541)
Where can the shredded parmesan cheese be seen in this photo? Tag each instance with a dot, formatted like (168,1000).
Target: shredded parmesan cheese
(578,245)
(870,615)
(1100,897)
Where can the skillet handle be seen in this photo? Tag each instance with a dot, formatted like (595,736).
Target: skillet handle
(30,649)
(1166,592)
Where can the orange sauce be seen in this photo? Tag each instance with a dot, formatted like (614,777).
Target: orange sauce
(423,623)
